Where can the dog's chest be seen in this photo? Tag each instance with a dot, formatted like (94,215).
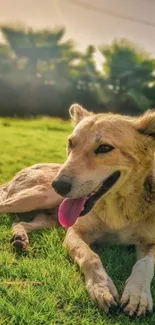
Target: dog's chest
(131,235)
(125,224)
(137,234)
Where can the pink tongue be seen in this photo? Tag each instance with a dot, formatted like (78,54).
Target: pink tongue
(69,211)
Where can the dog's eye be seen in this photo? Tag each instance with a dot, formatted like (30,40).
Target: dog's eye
(103,148)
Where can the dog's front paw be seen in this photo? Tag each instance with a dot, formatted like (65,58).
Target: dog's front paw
(19,242)
(136,298)
(104,292)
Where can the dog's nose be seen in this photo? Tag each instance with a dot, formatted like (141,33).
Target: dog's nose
(62,185)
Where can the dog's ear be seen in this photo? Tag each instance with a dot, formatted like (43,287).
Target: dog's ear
(77,113)
(145,124)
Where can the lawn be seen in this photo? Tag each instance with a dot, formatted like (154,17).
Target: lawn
(60,298)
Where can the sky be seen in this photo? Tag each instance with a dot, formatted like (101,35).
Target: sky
(88,21)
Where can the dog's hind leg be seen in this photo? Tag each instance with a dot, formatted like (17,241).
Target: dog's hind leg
(35,198)
(20,230)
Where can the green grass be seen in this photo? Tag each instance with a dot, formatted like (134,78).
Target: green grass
(61,297)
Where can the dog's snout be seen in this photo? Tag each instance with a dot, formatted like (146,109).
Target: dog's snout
(62,185)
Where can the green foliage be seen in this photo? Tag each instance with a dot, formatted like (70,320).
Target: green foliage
(127,72)
(42,74)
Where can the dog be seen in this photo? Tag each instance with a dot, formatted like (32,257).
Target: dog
(105,191)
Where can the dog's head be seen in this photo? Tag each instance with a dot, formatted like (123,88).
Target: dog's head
(105,151)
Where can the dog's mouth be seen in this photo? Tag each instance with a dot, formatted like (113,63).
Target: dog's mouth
(71,209)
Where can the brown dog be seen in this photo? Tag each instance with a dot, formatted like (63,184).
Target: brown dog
(109,189)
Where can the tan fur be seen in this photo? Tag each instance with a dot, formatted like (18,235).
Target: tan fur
(125,214)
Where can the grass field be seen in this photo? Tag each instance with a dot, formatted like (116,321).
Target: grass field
(61,297)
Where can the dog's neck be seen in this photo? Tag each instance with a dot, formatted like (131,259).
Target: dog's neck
(121,207)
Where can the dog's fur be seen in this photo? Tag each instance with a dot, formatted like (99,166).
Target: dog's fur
(124,215)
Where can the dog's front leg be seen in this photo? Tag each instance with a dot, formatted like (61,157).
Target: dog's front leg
(137,297)
(99,285)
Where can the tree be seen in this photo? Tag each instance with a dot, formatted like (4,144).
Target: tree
(85,78)
(42,58)
(127,71)
(41,73)
(46,54)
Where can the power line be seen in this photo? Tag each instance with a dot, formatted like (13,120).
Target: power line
(111,13)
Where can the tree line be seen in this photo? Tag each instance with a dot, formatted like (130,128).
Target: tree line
(41,74)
